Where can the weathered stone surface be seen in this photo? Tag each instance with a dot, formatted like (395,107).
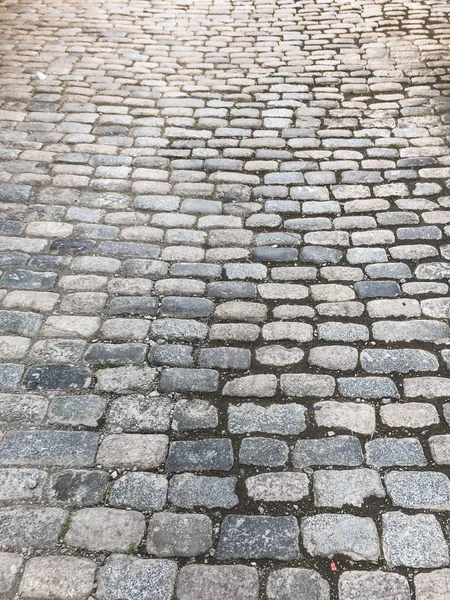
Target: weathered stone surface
(31,526)
(105,529)
(354,585)
(359,418)
(278,487)
(58,577)
(341,488)
(389,452)
(264,452)
(434,585)
(413,541)
(128,451)
(188,491)
(262,386)
(440,448)
(122,380)
(140,413)
(427,387)
(10,565)
(258,537)
(135,578)
(140,491)
(282,419)
(201,455)
(304,385)
(412,415)
(223,582)
(297,584)
(418,490)
(189,380)
(328,535)
(78,487)
(49,448)
(340,451)
(77,410)
(335,358)
(370,388)
(397,361)
(194,414)
(171,534)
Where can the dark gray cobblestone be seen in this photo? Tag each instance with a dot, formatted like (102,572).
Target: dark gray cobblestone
(224,300)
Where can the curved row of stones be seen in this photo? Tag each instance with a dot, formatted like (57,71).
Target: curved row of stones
(225,265)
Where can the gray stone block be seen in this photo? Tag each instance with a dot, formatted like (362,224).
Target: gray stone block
(135,578)
(415,541)
(297,584)
(58,577)
(221,582)
(188,490)
(341,450)
(258,538)
(355,585)
(105,529)
(171,534)
(140,491)
(330,535)
(214,454)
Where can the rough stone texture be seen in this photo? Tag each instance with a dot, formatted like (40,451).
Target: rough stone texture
(413,541)
(418,490)
(340,451)
(201,455)
(10,565)
(440,449)
(278,487)
(412,415)
(141,491)
(297,584)
(135,579)
(222,582)
(389,452)
(340,488)
(327,535)
(358,418)
(258,537)
(224,276)
(171,534)
(282,419)
(188,490)
(434,585)
(58,577)
(105,529)
(129,450)
(31,526)
(354,585)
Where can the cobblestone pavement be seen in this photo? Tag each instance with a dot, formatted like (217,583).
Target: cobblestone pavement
(224,300)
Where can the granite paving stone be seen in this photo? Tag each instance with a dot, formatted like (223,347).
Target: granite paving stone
(297,584)
(135,578)
(59,577)
(414,541)
(354,585)
(224,582)
(259,537)
(328,535)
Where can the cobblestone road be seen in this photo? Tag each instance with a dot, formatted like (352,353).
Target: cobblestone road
(224,300)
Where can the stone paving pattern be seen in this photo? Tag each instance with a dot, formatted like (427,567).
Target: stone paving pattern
(224,305)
